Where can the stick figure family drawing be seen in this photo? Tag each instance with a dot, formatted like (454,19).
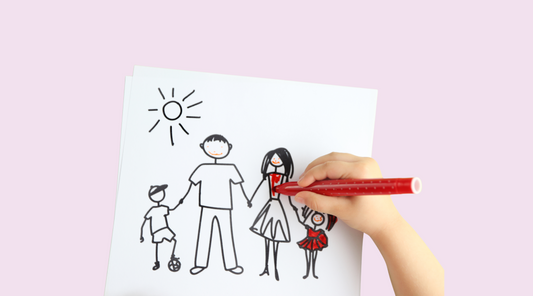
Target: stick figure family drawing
(214,181)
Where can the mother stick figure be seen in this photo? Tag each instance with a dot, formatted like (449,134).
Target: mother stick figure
(271,222)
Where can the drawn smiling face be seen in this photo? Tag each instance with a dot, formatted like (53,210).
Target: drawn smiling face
(276,160)
(216,149)
(318,219)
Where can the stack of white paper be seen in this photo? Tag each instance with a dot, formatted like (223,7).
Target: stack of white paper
(211,141)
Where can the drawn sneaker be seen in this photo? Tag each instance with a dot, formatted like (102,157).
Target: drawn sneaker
(236,270)
(156,265)
(197,269)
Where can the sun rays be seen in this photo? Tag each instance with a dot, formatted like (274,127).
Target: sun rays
(174,112)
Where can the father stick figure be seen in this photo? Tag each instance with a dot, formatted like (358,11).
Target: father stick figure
(216,203)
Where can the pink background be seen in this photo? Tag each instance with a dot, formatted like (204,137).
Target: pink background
(455,83)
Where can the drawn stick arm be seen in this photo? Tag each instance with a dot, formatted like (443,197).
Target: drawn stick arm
(142,227)
(183,198)
(302,221)
(258,186)
(293,207)
(245,196)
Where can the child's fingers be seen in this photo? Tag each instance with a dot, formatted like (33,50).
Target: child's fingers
(326,170)
(340,170)
(323,204)
(333,156)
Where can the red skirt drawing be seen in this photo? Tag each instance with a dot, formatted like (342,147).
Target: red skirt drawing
(315,240)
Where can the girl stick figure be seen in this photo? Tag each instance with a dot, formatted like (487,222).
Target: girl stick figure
(316,239)
(271,222)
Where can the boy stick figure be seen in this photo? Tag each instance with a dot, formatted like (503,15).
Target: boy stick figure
(159,226)
(216,203)
(316,239)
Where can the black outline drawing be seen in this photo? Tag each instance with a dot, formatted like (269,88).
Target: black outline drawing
(173,115)
(271,222)
(315,240)
(216,204)
(163,232)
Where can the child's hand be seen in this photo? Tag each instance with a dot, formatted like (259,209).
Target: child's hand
(368,214)
(412,267)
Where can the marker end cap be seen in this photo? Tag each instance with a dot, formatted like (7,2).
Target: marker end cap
(416,185)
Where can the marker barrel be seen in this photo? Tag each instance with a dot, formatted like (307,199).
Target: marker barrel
(352,187)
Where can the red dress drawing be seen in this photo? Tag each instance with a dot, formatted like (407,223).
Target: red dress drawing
(315,240)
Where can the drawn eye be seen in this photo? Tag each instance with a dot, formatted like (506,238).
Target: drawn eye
(172,111)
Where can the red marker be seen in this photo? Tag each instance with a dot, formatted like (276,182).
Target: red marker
(351,187)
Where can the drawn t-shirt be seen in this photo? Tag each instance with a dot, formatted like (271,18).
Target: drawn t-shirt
(157,214)
(215,188)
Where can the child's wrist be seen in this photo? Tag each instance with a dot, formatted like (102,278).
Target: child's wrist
(387,227)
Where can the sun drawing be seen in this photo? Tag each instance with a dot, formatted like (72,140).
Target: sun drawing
(174,111)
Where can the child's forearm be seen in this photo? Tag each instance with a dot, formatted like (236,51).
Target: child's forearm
(413,269)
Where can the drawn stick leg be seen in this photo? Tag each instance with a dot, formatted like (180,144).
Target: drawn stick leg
(314,254)
(267,251)
(307,263)
(174,263)
(156,263)
(276,244)
(174,247)
(225,228)
(203,243)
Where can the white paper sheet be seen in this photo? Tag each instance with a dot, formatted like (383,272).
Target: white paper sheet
(167,115)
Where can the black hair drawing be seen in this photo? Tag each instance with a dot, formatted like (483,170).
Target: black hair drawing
(216,137)
(172,111)
(286,162)
(271,223)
